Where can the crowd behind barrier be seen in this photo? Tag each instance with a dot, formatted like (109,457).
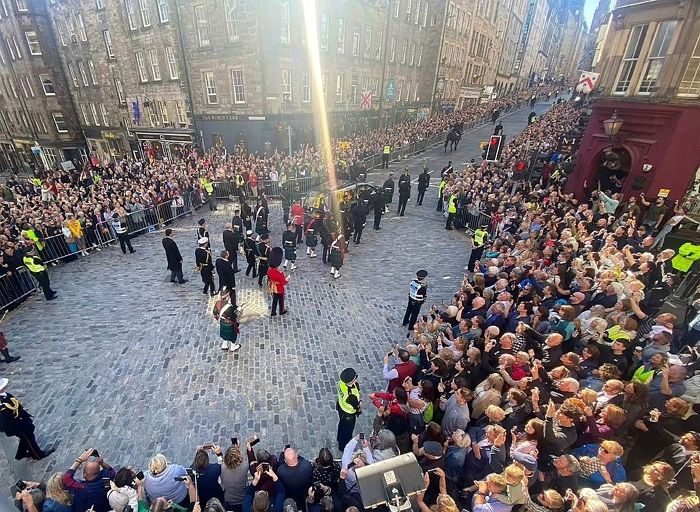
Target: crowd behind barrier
(72,213)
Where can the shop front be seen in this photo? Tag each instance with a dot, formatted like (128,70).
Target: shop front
(106,145)
(155,145)
(634,147)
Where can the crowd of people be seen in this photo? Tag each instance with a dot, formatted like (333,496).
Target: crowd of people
(554,380)
(65,214)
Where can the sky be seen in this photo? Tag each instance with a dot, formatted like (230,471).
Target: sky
(589,9)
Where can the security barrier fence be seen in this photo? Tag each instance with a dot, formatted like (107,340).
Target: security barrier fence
(15,287)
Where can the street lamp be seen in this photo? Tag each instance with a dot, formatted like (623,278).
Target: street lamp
(613,125)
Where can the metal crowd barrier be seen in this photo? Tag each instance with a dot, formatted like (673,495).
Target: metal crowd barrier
(473,219)
(56,248)
(154,218)
(15,287)
(271,188)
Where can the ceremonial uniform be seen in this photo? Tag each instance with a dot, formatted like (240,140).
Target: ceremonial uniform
(348,406)
(231,245)
(225,313)
(15,421)
(263,255)
(246,216)
(479,242)
(404,192)
(359,218)
(38,270)
(389,187)
(417,293)
(276,281)
(325,230)
(297,212)
(250,249)
(337,252)
(311,238)
(289,245)
(260,220)
(227,278)
(205,266)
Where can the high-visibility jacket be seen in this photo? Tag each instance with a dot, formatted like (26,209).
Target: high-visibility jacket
(33,264)
(452,204)
(344,393)
(480,236)
(207,185)
(31,234)
(387,149)
(688,253)
(441,187)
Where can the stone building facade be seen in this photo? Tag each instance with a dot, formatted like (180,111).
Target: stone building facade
(37,119)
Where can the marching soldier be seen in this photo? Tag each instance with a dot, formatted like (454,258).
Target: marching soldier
(260,218)
(15,421)
(205,266)
(336,255)
(37,268)
(263,255)
(423,184)
(348,406)
(250,249)
(417,293)
(312,237)
(346,222)
(289,244)
(404,191)
(246,215)
(359,219)
(239,230)
(389,187)
(478,243)
(202,229)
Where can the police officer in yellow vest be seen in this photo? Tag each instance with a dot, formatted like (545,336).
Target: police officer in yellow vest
(386,154)
(30,233)
(36,266)
(441,192)
(348,406)
(688,253)
(208,186)
(451,210)
(478,243)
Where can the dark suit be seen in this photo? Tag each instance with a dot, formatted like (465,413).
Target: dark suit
(226,277)
(423,183)
(174,259)
(231,245)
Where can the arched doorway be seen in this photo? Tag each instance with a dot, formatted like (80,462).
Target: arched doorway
(613,169)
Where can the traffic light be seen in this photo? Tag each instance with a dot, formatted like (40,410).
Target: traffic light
(494,148)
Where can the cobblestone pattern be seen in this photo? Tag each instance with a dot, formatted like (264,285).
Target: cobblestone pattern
(129,363)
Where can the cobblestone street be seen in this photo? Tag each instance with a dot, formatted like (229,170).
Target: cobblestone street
(129,363)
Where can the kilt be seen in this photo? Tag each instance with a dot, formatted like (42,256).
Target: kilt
(290,253)
(336,259)
(311,240)
(227,331)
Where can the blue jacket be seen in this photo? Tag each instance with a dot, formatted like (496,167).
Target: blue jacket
(615,469)
(85,493)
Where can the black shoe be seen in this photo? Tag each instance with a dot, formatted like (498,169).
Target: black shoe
(45,454)
(204,292)
(273,314)
(236,270)
(55,295)
(12,359)
(183,281)
(214,294)
(173,281)
(283,312)
(131,252)
(450,229)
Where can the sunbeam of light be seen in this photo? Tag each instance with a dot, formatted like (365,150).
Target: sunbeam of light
(323,136)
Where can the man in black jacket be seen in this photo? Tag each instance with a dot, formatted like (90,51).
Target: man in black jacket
(172,253)
(423,184)
(231,245)
(404,191)
(227,278)
(389,187)
(359,219)
(15,421)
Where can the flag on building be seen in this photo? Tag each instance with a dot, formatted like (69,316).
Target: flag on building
(587,82)
(365,100)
